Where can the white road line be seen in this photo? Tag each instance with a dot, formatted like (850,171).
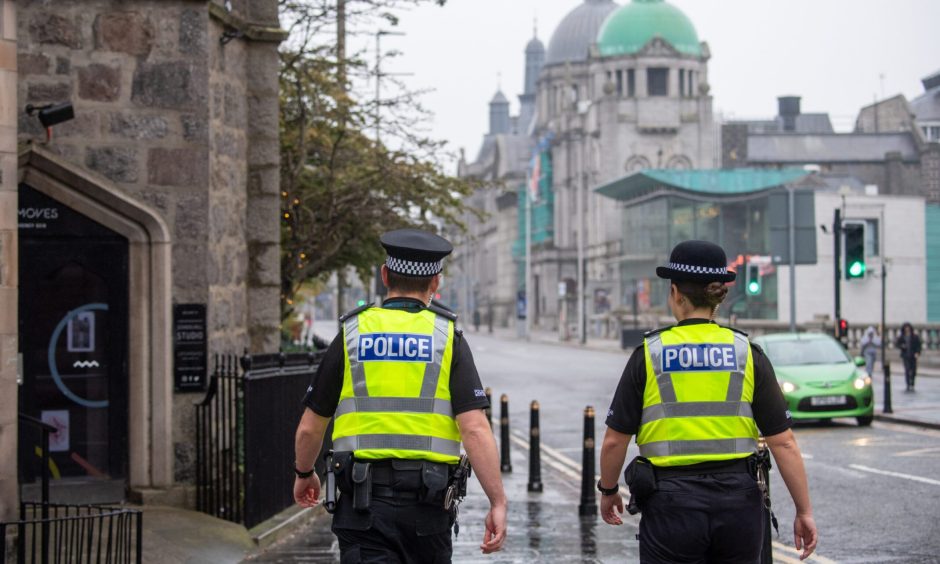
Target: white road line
(919,451)
(792,555)
(911,477)
(573,473)
(905,428)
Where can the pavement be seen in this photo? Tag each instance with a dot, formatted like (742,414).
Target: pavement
(173,535)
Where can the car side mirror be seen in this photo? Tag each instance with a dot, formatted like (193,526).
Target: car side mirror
(859,361)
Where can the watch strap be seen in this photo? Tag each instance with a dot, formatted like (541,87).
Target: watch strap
(303,475)
(607,491)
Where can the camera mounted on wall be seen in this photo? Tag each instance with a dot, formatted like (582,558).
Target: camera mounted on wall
(51,114)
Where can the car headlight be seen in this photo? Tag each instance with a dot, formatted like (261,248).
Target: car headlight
(862,383)
(787,387)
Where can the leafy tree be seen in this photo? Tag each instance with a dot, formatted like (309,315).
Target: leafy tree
(341,188)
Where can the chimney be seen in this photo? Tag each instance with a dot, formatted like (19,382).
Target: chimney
(788,110)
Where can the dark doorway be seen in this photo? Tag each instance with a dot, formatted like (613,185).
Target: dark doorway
(73,328)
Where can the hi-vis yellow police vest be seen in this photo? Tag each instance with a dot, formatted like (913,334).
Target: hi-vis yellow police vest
(395,400)
(697,402)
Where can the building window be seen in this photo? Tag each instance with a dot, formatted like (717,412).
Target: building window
(871,238)
(631,83)
(619,84)
(932,132)
(692,84)
(657,82)
(682,92)
(574,94)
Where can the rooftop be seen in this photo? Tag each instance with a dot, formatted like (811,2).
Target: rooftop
(572,40)
(719,183)
(631,27)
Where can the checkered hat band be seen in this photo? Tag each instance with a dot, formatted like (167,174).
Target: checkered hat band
(691,268)
(412,268)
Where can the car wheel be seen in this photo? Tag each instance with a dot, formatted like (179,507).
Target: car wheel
(865,420)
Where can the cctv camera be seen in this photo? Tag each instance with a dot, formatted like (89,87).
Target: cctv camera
(52,114)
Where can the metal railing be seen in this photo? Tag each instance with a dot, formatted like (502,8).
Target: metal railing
(244,435)
(76,534)
(70,533)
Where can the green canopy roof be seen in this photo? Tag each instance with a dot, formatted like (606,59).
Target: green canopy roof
(733,182)
(631,27)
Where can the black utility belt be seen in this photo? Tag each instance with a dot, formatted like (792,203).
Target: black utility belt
(736,466)
(407,480)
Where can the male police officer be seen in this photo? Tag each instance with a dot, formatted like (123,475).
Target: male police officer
(402,386)
(695,395)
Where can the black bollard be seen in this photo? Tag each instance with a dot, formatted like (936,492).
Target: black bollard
(535,452)
(887,406)
(489,409)
(505,464)
(588,505)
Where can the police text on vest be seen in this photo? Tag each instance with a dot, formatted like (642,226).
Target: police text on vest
(399,347)
(699,357)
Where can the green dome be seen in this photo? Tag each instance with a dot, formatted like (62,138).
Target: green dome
(630,28)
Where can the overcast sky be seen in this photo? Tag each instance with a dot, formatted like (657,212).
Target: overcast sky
(830,52)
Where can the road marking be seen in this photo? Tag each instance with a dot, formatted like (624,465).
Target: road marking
(919,451)
(574,474)
(896,474)
(905,428)
(793,555)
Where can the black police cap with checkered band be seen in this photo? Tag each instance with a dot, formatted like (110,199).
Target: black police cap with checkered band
(697,261)
(412,252)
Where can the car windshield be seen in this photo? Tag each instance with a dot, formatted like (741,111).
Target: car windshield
(805,351)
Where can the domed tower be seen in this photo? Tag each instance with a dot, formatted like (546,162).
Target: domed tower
(652,72)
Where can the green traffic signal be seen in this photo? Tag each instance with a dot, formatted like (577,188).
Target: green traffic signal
(856,269)
(361,303)
(854,250)
(753,288)
(753,282)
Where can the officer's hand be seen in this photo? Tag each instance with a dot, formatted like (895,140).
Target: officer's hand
(608,504)
(307,491)
(805,535)
(495,533)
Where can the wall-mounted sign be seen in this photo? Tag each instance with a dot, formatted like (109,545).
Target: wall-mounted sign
(190,354)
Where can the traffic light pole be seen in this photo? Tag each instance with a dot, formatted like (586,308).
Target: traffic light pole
(837,262)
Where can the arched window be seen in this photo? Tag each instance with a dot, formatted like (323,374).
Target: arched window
(679,162)
(637,163)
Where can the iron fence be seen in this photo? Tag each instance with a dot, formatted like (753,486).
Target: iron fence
(245,435)
(76,534)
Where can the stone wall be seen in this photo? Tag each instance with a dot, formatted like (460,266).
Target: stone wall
(163,91)
(9,493)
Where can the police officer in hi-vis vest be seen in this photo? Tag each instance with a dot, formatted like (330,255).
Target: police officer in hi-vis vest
(400,383)
(696,396)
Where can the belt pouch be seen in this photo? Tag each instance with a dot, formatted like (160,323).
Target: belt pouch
(641,478)
(342,467)
(434,478)
(362,485)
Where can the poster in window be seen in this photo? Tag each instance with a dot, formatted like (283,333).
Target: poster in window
(81,333)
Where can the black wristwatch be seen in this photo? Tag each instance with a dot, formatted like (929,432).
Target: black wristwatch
(303,475)
(607,491)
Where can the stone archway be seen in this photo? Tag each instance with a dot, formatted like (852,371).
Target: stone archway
(150,383)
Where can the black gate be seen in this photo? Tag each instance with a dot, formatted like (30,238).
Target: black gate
(245,435)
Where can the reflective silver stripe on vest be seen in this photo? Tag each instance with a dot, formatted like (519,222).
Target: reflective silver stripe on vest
(711,446)
(697,409)
(432,372)
(394,405)
(736,383)
(357,370)
(667,393)
(398,442)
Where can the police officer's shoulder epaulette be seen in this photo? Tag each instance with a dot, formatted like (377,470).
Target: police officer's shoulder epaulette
(733,329)
(354,312)
(657,331)
(439,309)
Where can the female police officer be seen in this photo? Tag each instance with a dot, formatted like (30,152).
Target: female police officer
(695,396)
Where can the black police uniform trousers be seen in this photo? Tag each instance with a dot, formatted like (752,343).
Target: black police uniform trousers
(394,530)
(709,518)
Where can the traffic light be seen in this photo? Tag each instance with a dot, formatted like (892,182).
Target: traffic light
(854,250)
(753,284)
(842,329)
(360,303)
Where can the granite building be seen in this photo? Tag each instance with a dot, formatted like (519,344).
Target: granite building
(159,200)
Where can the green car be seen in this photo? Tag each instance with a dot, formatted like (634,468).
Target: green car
(818,377)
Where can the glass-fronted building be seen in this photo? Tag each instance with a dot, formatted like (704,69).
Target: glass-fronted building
(729,207)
